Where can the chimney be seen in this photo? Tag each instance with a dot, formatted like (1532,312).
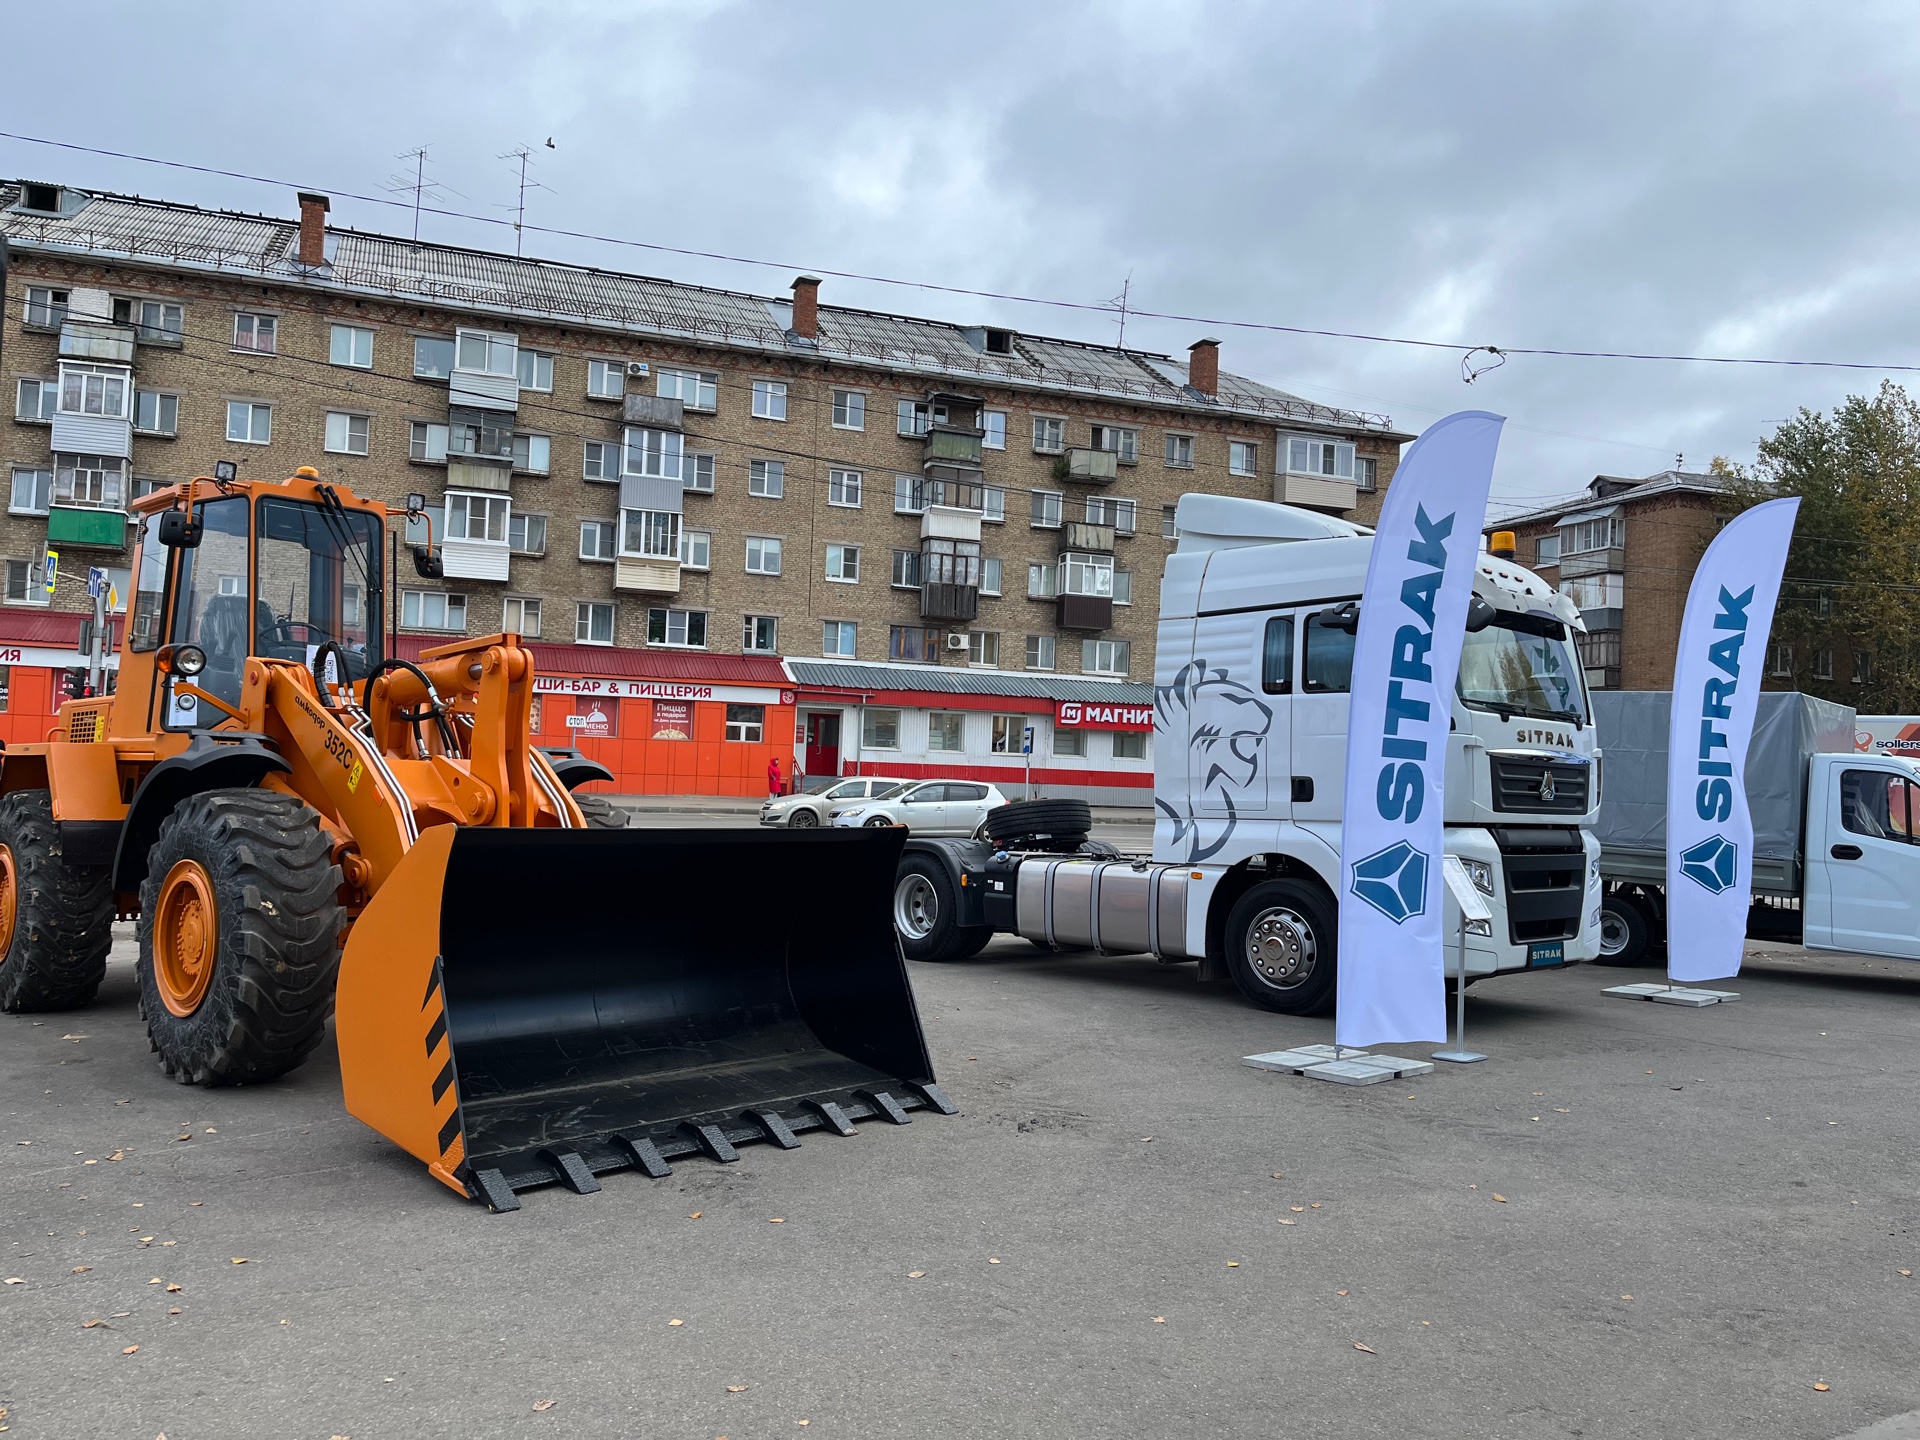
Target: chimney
(806,307)
(1203,367)
(313,230)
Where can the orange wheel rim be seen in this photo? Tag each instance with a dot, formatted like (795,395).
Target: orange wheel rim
(9,900)
(186,937)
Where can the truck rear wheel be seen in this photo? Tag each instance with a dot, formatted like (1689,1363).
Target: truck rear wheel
(924,911)
(1280,943)
(56,919)
(1626,930)
(239,937)
(601,813)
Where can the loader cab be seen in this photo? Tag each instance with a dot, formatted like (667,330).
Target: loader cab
(265,570)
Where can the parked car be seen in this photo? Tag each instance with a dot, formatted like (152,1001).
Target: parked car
(801,811)
(927,807)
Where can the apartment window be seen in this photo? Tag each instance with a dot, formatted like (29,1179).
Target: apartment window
(989,577)
(256,332)
(983,648)
(535,371)
(1366,473)
(532,454)
(906,569)
(427,442)
(597,539)
(32,492)
(249,423)
(1046,509)
(1010,734)
(652,534)
(1117,513)
(1129,744)
(694,389)
(770,399)
(606,379)
(593,622)
(696,549)
(950,562)
(767,478)
(1105,657)
(843,488)
(1780,663)
(909,495)
(36,400)
(746,724)
(1123,587)
(685,628)
(654,453)
(25,583)
(912,642)
(350,345)
(1596,592)
(1605,533)
(1862,667)
(1169,525)
(1070,742)
(1086,575)
(433,610)
(147,484)
(912,417)
(432,357)
(46,309)
(1546,550)
(880,729)
(520,615)
(94,390)
(1042,580)
(837,637)
(527,534)
(1823,664)
(158,322)
(849,410)
(1049,434)
(994,422)
(696,473)
(763,555)
(993,507)
(156,413)
(1243,458)
(602,460)
(347,434)
(947,730)
(1306,455)
(1180,452)
(843,563)
(761,633)
(1124,444)
(93,480)
(477,517)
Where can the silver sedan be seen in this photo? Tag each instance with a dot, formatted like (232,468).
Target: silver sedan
(803,811)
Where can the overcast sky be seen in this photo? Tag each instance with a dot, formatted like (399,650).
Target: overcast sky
(1709,179)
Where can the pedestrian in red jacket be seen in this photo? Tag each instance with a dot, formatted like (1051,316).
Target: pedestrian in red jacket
(773,776)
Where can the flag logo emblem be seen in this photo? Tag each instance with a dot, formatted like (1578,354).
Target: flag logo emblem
(1393,881)
(1711,863)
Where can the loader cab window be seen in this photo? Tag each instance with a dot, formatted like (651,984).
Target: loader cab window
(317,582)
(211,611)
(1523,665)
(150,591)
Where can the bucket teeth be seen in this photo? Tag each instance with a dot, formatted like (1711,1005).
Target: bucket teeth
(712,1142)
(495,1190)
(646,1155)
(832,1116)
(884,1106)
(773,1127)
(935,1097)
(572,1170)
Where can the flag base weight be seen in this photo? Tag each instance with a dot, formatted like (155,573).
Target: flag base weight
(1341,1065)
(1672,995)
(1459,1057)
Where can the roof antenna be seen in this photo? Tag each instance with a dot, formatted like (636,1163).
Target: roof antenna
(1120,301)
(524,154)
(418,186)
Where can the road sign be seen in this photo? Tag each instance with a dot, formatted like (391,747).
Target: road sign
(96,581)
(1026,741)
(52,571)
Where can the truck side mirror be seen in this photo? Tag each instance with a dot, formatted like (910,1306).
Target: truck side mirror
(1479,615)
(1341,617)
(180,530)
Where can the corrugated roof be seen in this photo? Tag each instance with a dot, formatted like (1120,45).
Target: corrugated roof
(485,282)
(952,680)
(624,664)
(1667,482)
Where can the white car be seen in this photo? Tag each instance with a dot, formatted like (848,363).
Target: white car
(801,811)
(927,807)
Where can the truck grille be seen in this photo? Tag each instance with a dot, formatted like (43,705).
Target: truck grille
(1546,873)
(1537,785)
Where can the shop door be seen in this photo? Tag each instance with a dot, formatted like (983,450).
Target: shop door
(823,744)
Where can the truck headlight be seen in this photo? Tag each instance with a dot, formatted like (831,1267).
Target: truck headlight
(1593,870)
(1480,927)
(1481,873)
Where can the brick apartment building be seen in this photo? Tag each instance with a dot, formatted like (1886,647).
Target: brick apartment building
(767,526)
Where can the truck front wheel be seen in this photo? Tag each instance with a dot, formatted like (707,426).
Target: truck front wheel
(1280,942)
(1626,930)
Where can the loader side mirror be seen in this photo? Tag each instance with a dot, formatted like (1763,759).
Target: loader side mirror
(427,565)
(180,530)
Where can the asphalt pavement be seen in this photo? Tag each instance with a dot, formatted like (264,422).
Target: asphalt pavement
(1633,1221)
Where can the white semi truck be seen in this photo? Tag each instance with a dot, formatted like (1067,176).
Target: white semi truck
(1258,611)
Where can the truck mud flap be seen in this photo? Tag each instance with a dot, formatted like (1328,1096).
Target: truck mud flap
(520,1008)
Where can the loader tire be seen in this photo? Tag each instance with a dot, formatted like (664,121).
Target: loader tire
(239,937)
(601,813)
(56,919)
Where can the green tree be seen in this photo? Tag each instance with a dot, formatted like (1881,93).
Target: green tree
(1850,605)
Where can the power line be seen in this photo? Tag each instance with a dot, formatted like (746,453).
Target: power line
(1450,346)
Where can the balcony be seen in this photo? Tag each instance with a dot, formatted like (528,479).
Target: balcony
(646,575)
(84,339)
(952,446)
(654,412)
(1085,612)
(82,525)
(475,559)
(1593,562)
(1091,467)
(1315,492)
(1083,536)
(949,602)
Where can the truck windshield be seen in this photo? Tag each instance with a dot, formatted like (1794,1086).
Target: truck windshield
(1523,665)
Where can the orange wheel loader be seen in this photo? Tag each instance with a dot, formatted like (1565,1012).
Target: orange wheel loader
(525,992)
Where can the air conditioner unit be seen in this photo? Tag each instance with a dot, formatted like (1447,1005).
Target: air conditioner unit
(636,367)
(956,641)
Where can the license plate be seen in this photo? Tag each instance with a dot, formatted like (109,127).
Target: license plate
(1552,952)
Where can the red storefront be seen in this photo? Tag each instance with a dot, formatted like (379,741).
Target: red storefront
(37,649)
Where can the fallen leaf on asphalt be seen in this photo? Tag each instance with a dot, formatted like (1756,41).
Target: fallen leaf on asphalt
(1159,1319)
(1821,1385)
(778,1220)
(1146,1139)
(803,1422)
(1558,1110)
(1501,1198)
(1907,1273)
(1315,1205)
(196,1202)
(95,1162)
(183,1137)
(240,1260)
(146,1239)
(165,1243)
(212,1131)
(1626,1297)
(130,1349)
(173,1289)
(1233,1264)
(120,1314)
(157,1280)
(545,1404)
(1339,1292)
(1533,1117)
(1289,1222)
(676,1322)
(95,1325)
(1538,1094)
(696,1215)
(735,1389)
(915,1274)
(1299,1209)
(15,1280)
(174,1311)
(1368,1348)
(81,1269)
(73,1037)
(1279,1176)
(993,1260)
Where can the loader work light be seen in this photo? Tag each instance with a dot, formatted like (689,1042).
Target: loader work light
(225,471)
(416,504)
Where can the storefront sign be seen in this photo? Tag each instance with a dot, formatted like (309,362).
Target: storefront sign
(594,719)
(1081,715)
(654,689)
(40,655)
(673,719)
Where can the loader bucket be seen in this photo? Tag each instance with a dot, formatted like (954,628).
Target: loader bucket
(522,1007)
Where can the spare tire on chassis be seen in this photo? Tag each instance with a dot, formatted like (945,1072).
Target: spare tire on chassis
(1039,824)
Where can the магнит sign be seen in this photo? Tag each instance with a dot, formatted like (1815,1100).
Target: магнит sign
(1084,715)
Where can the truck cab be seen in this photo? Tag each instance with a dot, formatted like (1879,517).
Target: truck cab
(1863,855)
